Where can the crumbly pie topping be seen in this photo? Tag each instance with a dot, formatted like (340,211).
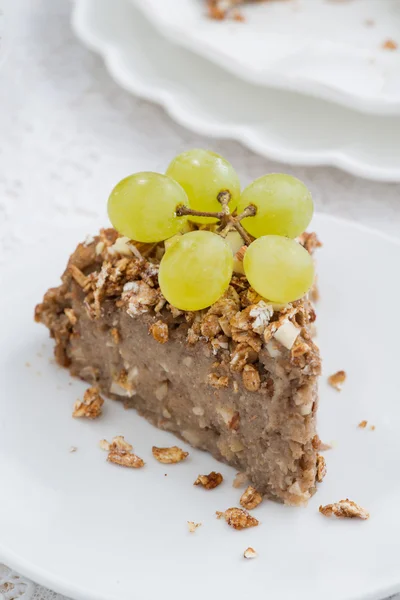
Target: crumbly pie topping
(238,328)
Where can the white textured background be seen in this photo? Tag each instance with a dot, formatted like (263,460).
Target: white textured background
(68,134)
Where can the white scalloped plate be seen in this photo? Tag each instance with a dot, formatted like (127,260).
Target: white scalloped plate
(285,126)
(95,531)
(324,48)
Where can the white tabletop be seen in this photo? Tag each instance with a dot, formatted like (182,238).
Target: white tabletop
(69,133)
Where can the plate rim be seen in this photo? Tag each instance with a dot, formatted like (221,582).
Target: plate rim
(294,83)
(113,55)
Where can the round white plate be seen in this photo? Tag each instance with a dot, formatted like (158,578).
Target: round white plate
(95,531)
(325,48)
(285,126)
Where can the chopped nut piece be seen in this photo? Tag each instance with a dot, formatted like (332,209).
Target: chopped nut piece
(162,391)
(115,335)
(159,331)
(240,253)
(250,498)
(126,459)
(337,379)
(124,385)
(240,480)
(193,526)
(169,455)
(121,246)
(251,378)
(346,509)
(234,423)
(218,382)
(90,406)
(250,553)
(321,468)
(79,277)
(363,424)
(209,482)
(238,518)
(287,334)
(71,315)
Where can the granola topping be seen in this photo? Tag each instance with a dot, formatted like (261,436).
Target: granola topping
(238,324)
(209,482)
(238,518)
(344,509)
(250,498)
(90,406)
(251,378)
(169,455)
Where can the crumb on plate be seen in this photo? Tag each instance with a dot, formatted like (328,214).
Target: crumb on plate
(390,45)
(120,453)
(250,498)
(250,553)
(91,405)
(344,509)
(210,481)
(169,455)
(238,518)
(337,380)
(193,526)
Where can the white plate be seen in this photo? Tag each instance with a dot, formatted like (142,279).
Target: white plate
(318,47)
(94,531)
(281,125)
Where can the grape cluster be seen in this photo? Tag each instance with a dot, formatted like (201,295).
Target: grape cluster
(197,266)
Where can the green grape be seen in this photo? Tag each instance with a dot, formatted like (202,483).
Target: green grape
(278,268)
(284,206)
(142,207)
(203,175)
(195,270)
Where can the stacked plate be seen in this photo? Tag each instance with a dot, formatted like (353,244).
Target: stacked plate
(312,82)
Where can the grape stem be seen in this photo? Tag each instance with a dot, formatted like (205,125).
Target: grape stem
(226,219)
(184,210)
